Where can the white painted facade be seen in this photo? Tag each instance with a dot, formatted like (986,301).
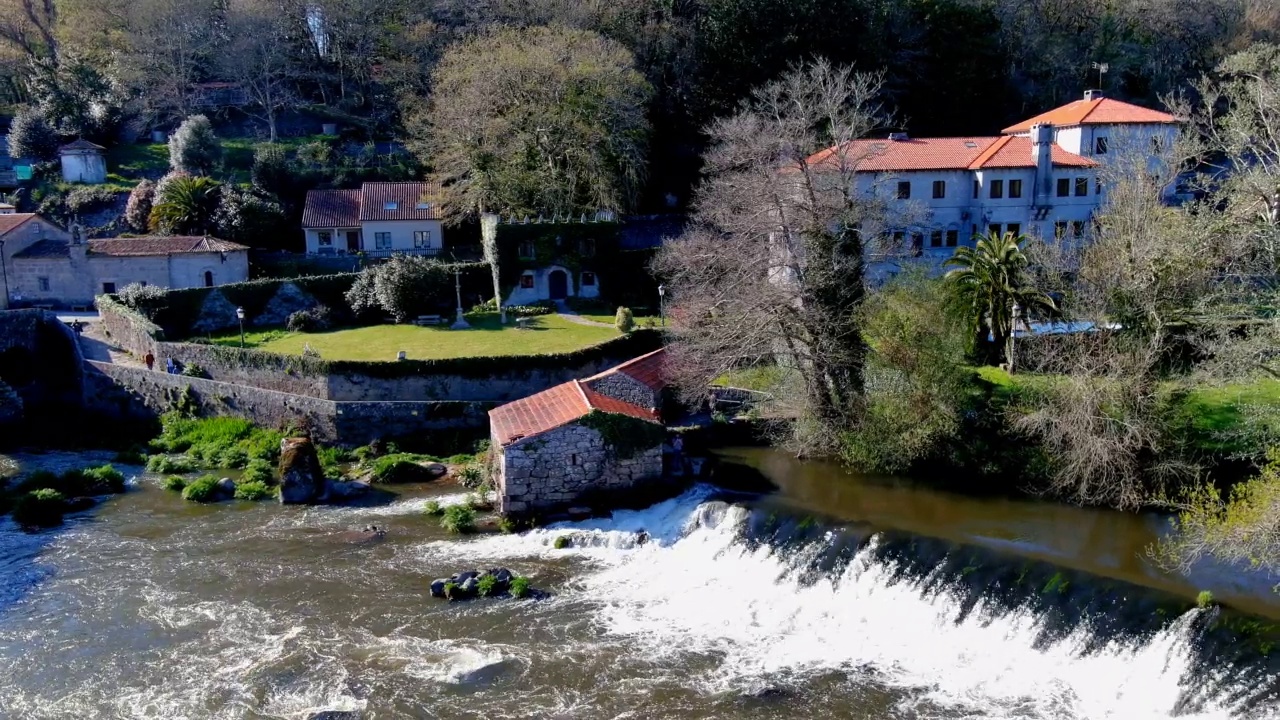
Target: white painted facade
(421,236)
(554,282)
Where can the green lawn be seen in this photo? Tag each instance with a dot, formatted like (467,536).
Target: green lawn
(129,163)
(548,334)
(641,320)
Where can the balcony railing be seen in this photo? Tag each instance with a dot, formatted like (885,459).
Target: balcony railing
(376,254)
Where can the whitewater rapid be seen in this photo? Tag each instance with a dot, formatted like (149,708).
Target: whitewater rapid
(697,588)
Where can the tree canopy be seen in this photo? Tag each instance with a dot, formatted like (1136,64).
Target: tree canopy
(537,120)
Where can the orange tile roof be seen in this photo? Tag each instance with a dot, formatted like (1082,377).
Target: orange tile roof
(11,221)
(1098,111)
(553,408)
(648,369)
(958,153)
(331,209)
(398,201)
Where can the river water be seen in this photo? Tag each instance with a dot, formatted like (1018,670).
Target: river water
(837,596)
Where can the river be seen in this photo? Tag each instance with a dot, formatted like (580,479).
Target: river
(837,596)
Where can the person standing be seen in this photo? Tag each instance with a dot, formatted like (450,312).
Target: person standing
(677,455)
(150,360)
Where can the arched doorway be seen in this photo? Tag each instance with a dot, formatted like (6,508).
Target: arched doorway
(208,278)
(558,285)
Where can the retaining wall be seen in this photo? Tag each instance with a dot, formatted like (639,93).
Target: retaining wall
(136,393)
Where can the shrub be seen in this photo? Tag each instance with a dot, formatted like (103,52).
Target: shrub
(519,586)
(137,212)
(194,370)
(433,508)
(485,585)
(316,319)
(254,490)
(148,300)
(403,287)
(624,320)
(471,476)
(270,173)
(259,471)
(507,525)
(103,479)
(246,218)
(174,482)
(1204,599)
(562,542)
(166,464)
(202,490)
(400,468)
(194,148)
(458,519)
(31,136)
(41,508)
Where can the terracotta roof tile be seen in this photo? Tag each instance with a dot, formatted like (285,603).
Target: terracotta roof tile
(161,245)
(12,220)
(958,153)
(398,201)
(331,209)
(1099,111)
(553,408)
(648,369)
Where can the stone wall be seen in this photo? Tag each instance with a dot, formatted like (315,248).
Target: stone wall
(128,329)
(500,386)
(567,466)
(136,393)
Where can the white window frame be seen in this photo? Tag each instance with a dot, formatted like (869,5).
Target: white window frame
(382,241)
(421,239)
(324,238)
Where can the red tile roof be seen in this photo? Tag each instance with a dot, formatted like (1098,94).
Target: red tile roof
(81,144)
(398,201)
(161,246)
(648,369)
(10,222)
(959,153)
(331,209)
(553,408)
(1098,111)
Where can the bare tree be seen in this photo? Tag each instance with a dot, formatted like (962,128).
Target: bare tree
(774,265)
(260,55)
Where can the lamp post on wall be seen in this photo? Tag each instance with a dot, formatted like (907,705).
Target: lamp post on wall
(461,322)
(1013,331)
(662,304)
(4,271)
(240,317)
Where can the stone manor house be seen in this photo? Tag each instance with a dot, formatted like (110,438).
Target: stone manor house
(43,265)
(1039,177)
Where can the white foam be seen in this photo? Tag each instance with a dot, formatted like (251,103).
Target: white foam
(709,594)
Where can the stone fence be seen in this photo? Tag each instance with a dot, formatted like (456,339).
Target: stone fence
(134,393)
(486,379)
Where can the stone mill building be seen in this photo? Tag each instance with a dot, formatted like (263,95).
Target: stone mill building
(579,442)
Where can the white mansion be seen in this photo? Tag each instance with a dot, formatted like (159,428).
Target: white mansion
(1040,177)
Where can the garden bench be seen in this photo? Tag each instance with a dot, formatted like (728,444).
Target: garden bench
(424,320)
(523,323)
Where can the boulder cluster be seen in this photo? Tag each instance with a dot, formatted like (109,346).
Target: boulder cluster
(495,582)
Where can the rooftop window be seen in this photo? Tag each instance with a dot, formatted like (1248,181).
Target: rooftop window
(391,205)
(423,206)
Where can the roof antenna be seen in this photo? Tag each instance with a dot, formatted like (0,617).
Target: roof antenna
(1101,68)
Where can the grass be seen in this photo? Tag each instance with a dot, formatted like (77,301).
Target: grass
(640,320)
(130,163)
(203,490)
(762,378)
(224,442)
(520,586)
(401,468)
(548,334)
(254,490)
(176,483)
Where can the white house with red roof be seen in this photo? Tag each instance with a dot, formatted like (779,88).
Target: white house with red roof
(380,219)
(551,452)
(1039,178)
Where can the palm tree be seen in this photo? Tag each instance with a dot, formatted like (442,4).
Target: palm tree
(989,279)
(186,206)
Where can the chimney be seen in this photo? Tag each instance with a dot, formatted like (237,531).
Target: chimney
(1091,95)
(1042,155)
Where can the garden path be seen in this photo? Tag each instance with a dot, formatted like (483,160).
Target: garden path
(567,313)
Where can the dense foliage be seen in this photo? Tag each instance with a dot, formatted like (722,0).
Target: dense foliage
(194,148)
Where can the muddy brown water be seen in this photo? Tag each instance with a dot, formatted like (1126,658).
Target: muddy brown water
(837,596)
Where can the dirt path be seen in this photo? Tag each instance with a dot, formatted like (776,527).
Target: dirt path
(563,310)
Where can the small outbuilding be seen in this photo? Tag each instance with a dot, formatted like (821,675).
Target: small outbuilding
(83,162)
(580,441)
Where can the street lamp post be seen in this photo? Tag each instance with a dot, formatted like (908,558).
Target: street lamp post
(461,322)
(4,271)
(1013,331)
(240,317)
(662,304)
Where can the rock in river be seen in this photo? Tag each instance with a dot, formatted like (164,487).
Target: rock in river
(301,479)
